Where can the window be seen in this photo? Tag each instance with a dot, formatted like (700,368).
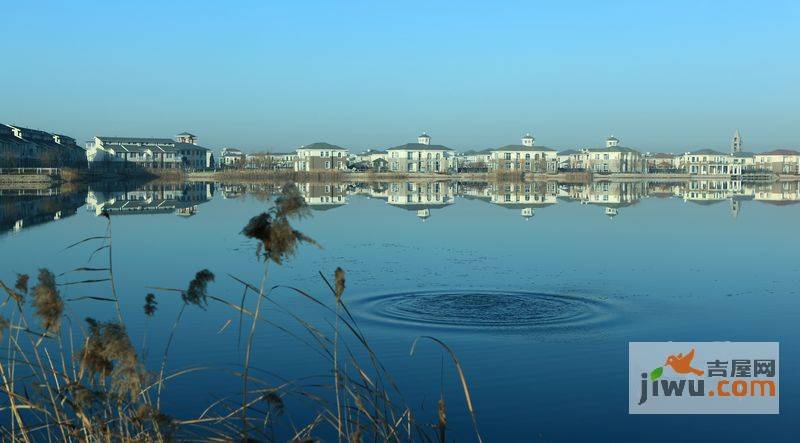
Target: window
(508,156)
(327,165)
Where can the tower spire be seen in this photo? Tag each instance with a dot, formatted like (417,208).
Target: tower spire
(736,143)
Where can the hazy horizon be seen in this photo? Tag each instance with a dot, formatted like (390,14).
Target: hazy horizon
(474,76)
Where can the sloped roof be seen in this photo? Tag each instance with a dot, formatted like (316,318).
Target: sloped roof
(780,152)
(419,147)
(661,155)
(614,149)
(707,152)
(134,140)
(323,146)
(524,148)
(189,146)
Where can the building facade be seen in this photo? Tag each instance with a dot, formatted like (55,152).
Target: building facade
(661,162)
(271,160)
(475,160)
(231,158)
(614,158)
(779,161)
(23,147)
(321,157)
(421,157)
(149,153)
(524,158)
(709,162)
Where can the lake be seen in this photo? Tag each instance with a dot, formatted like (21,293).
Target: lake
(537,287)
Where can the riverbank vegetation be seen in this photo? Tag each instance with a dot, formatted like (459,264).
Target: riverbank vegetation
(68,378)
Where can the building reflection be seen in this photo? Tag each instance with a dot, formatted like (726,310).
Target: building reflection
(23,208)
(525,197)
(421,197)
(181,199)
(324,196)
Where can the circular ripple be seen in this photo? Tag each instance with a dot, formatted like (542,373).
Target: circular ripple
(486,310)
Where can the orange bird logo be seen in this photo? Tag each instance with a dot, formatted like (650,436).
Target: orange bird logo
(682,364)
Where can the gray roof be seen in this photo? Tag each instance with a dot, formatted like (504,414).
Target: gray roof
(569,152)
(780,152)
(707,152)
(661,155)
(186,133)
(523,148)
(135,140)
(743,154)
(614,149)
(322,145)
(420,147)
(189,146)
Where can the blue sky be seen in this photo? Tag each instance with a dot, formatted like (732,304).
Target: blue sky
(276,75)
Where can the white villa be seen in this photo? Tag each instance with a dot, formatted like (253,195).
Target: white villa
(779,161)
(231,157)
(321,157)
(709,162)
(161,153)
(271,160)
(524,157)
(421,157)
(370,155)
(572,159)
(475,159)
(614,158)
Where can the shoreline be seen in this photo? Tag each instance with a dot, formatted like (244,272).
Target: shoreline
(75,176)
(563,177)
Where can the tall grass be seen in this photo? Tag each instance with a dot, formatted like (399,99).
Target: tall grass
(66,379)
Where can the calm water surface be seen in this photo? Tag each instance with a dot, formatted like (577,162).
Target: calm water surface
(538,289)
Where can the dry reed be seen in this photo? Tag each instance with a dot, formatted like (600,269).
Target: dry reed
(99,390)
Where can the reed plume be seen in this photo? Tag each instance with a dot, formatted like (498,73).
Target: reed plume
(3,326)
(197,293)
(47,301)
(339,278)
(109,352)
(278,240)
(150,305)
(22,283)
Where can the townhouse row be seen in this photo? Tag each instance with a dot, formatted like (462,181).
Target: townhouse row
(32,148)
(611,158)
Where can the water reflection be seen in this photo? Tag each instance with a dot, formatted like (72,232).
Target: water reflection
(161,198)
(24,207)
